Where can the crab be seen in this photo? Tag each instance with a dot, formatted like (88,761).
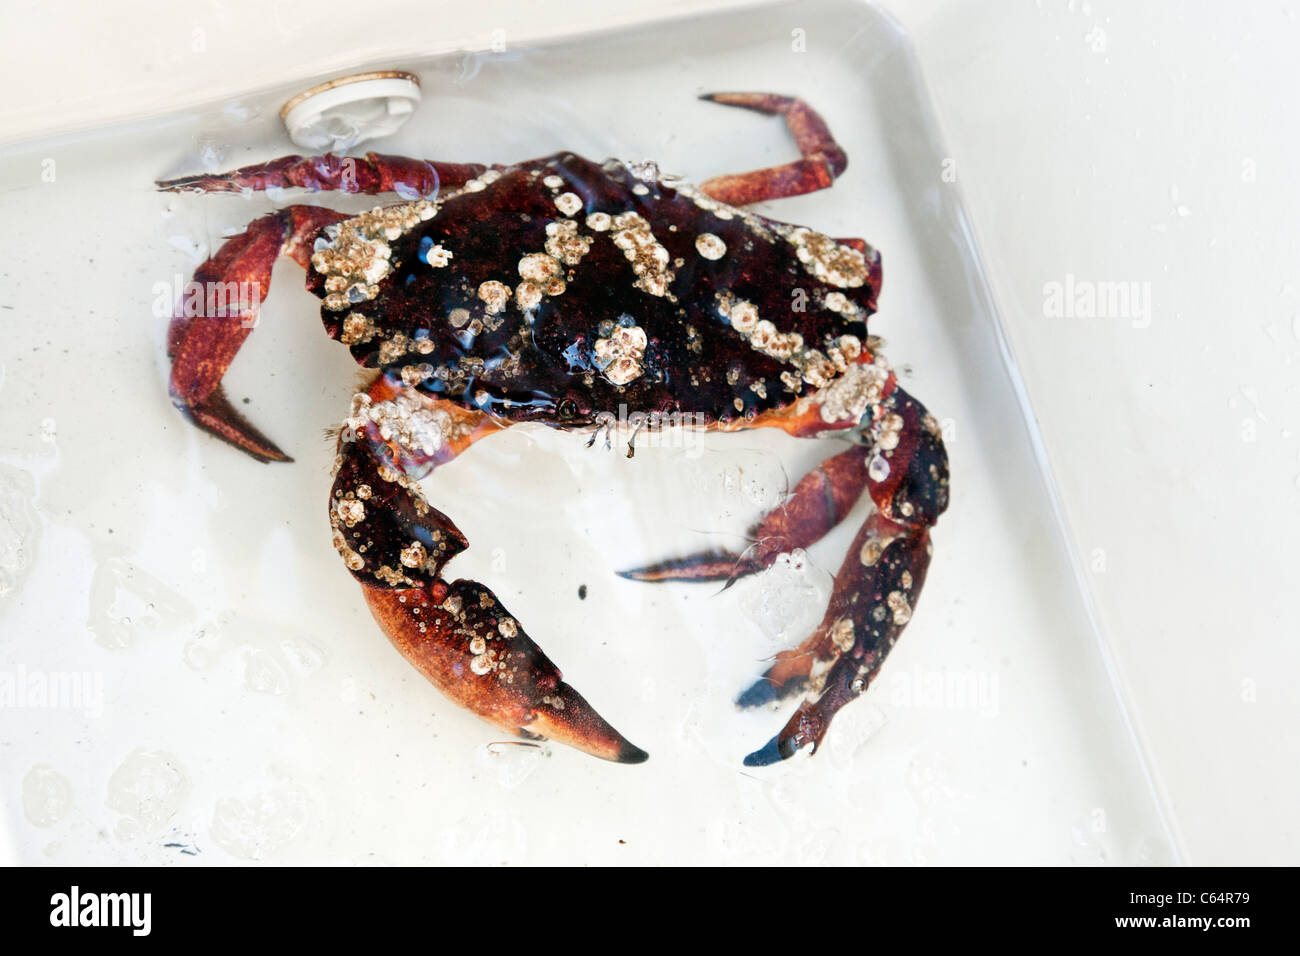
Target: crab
(552,291)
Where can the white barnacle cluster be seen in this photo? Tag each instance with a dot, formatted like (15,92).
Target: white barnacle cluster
(350,511)
(827,260)
(889,428)
(488,656)
(404,420)
(761,334)
(347,512)
(482,663)
(709,204)
(414,555)
(621,355)
(859,388)
(416,374)
(808,365)
(357,328)
(354,255)
(648,256)
(543,273)
(564,243)
(842,635)
(873,548)
(899,606)
(495,295)
(476,185)
(840,303)
(409,423)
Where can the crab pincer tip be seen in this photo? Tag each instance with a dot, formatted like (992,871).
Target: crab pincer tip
(766,755)
(631,753)
(774,751)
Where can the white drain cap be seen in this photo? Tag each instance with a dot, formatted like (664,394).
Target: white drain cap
(339,113)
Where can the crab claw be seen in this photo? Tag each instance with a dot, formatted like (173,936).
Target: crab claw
(462,639)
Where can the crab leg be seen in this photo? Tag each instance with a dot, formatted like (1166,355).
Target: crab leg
(816,505)
(208,328)
(820,500)
(877,587)
(376,173)
(873,599)
(902,465)
(822,161)
(458,634)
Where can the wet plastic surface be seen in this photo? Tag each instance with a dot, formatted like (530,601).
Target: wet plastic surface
(248,707)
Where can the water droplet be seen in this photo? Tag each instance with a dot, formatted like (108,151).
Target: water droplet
(511,762)
(20,528)
(125,601)
(263,673)
(789,599)
(257,826)
(47,795)
(147,788)
(492,841)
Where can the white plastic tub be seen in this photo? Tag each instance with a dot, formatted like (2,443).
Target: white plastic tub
(251,709)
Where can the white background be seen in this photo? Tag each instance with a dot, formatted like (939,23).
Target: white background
(1109,141)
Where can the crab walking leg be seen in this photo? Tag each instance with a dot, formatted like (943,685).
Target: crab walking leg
(458,634)
(205,334)
(817,504)
(877,587)
(869,607)
(376,173)
(822,161)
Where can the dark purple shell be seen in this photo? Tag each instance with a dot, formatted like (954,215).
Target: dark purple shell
(708,346)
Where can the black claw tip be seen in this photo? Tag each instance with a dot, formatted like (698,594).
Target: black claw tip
(771,752)
(632,754)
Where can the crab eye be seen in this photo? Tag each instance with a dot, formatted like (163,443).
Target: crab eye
(567,408)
